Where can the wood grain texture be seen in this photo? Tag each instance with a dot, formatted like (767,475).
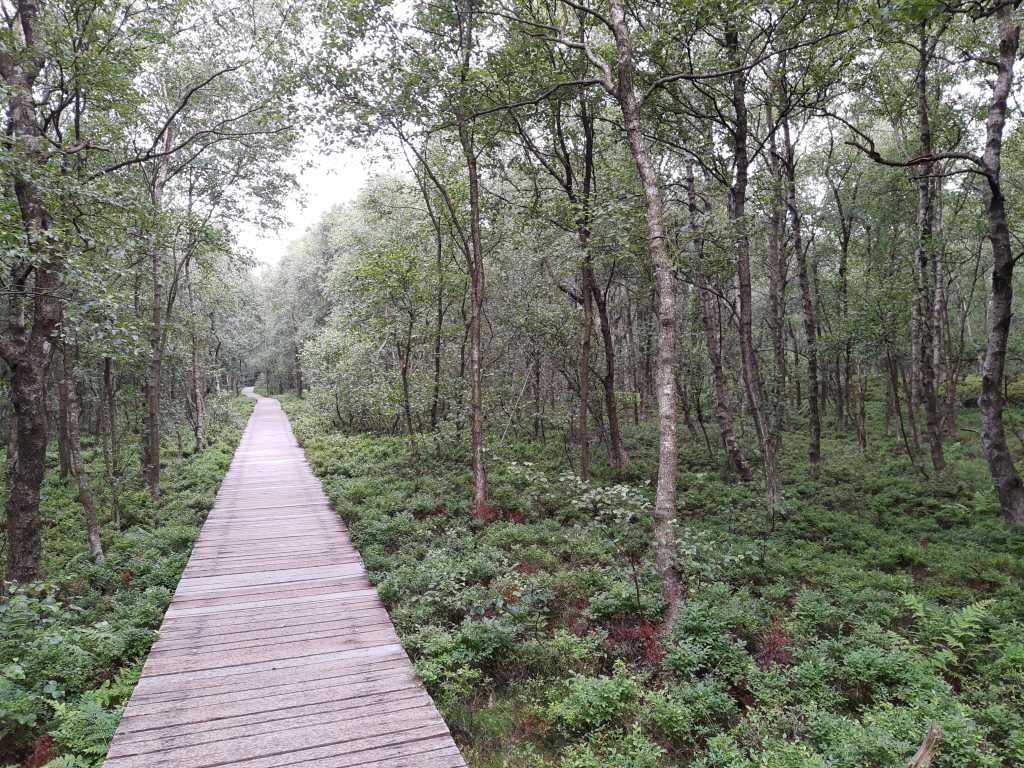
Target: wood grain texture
(276,650)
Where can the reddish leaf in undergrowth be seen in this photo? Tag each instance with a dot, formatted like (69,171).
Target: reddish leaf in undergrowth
(485,513)
(774,646)
(531,725)
(510,594)
(640,637)
(516,516)
(440,509)
(42,753)
(579,626)
(654,651)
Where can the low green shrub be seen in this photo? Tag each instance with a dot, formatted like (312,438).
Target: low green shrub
(71,645)
(879,603)
(588,704)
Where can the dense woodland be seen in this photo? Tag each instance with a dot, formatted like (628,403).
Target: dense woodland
(665,373)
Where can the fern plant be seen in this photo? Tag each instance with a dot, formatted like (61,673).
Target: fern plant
(946,638)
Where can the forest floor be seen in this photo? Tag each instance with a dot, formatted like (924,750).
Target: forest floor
(72,646)
(882,602)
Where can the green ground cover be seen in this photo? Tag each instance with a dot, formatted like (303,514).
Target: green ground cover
(72,645)
(882,602)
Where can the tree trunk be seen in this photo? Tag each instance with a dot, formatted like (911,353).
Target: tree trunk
(993,435)
(435,399)
(197,383)
(737,212)
(34,287)
(940,323)
(28,397)
(713,340)
(894,385)
(665,497)
(810,320)
(924,261)
(151,452)
(778,269)
(700,422)
(586,334)
(63,453)
(476,271)
(78,469)
(684,402)
(404,357)
(198,396)
(956,354)
(114,466)
(151,437)
(616,450)
(861,415)
(844,358)
(588,287)
(634,368)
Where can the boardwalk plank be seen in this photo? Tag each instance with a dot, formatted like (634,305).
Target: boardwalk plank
(239,703)
(281,739)
(275,650)
(422,740)
(266,682)
(321,712)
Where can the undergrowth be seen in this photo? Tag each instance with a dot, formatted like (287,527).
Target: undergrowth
(72,644)
(880,603)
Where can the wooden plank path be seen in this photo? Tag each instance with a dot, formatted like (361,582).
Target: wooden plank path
(275,650)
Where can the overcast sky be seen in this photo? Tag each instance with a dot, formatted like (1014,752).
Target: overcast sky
(331,179)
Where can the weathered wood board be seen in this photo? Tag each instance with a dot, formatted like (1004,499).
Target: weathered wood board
(275,650)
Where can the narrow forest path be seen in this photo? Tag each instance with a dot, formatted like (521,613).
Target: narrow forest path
(276,650)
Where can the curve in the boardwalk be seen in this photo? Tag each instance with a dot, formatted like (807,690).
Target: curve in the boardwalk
(275,650)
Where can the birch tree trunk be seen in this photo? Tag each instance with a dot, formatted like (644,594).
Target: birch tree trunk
(924,261)
(665,497)
(993,435)
(151,446)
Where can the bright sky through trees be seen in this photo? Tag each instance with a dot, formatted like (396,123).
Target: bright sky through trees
(324,180)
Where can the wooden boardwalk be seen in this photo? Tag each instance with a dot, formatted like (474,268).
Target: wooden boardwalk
(275,650)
